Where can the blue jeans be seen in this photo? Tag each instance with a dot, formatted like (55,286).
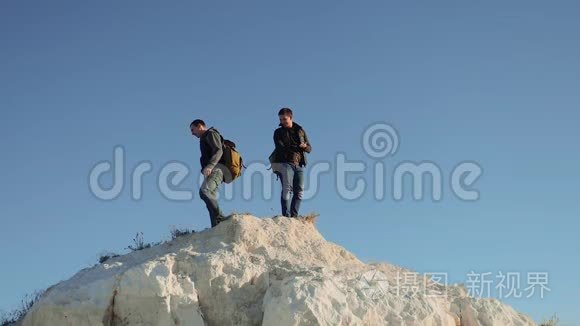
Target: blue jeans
(292,178)
(208,193)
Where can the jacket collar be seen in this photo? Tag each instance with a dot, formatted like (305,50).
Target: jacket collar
(208,129)
(294,125)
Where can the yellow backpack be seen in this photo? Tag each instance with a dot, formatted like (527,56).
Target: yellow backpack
(232,159)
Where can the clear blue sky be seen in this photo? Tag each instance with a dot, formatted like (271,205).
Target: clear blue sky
(495,82)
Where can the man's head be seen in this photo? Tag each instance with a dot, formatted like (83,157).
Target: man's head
(197,127)
(285,115)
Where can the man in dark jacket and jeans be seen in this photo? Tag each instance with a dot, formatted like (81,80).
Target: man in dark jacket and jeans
(288,161)
(210,144)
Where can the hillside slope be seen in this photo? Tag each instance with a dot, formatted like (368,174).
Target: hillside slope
(250,271)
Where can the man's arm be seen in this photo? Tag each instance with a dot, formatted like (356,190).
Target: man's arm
(308,147)
(215,142)
(278,143)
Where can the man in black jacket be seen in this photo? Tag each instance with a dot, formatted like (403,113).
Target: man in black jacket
(210,144)
(288,161)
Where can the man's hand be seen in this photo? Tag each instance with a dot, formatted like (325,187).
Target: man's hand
(207,171)
(303,145)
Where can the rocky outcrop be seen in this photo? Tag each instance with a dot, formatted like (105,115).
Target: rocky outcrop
(249,271)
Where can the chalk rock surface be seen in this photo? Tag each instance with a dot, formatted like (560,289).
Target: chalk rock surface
(250,271)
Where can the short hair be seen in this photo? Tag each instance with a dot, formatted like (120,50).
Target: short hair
(285,111)
(197,123)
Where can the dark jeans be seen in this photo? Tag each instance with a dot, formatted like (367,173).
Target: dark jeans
(208,193)
(292,178)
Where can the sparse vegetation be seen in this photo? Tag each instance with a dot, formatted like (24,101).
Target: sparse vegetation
(104,257)
(176,233)
(553,321)
(241,213)
(6,319)
(19,313)
(309,218)
(139,243)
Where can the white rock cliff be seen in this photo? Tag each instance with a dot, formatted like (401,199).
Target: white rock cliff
(250,271)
